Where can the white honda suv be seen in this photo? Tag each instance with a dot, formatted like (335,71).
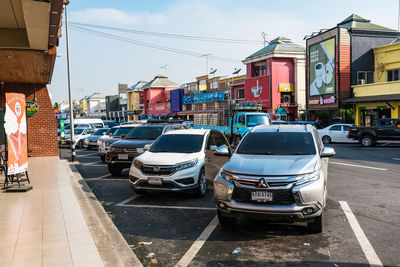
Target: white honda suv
(174,162)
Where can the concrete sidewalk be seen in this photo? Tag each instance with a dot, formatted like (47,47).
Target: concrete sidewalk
(47,227)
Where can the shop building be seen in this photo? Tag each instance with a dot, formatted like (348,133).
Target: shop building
(381,97)
(339,58)
(135,98)
(29,35)
(156,96)
(275,78)
(236,85)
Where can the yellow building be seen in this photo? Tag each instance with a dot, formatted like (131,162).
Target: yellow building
(83,106)
(378,95)
(133,95)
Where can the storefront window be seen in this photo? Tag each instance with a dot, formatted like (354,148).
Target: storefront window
(369,116)
(393,75)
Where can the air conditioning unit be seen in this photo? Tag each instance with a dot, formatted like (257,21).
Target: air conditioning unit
(286,99)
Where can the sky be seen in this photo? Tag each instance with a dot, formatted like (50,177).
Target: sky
(98,64)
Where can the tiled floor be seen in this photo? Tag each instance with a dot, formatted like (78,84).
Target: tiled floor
(45,226)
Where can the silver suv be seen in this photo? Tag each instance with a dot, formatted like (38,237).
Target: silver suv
(279,171)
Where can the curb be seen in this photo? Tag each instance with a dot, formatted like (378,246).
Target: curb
(112,247)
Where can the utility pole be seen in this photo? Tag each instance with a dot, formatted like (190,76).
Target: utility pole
(71,104)
(398,19)
(264,36)
(165,68)
(206,56)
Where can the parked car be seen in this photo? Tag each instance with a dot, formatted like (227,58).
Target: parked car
(174,162)
(386,129)
(110,123)
(85,123)
(336,133)
(106,142)
(91,141)
(79,136)
(279,171)
(122,152)
(313,123)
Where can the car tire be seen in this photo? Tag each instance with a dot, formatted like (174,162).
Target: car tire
(225,221)
(317,226)
(326,139)
(79,144)
(367,141)
(114,170)
(201,189)
(103,158)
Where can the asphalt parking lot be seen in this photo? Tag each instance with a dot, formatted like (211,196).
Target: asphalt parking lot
(362,218)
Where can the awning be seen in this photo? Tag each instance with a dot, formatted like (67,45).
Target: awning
(190,112)
(281,111)
(375,98)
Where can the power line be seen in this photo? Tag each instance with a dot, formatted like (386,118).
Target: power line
(169,35)
(150,45)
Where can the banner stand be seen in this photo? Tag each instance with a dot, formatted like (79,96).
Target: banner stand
(13,182)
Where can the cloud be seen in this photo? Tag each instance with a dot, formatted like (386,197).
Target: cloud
(115,16)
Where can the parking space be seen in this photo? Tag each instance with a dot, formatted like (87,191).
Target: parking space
(167,229)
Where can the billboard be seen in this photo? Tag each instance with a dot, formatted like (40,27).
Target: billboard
(257,90)
(15,128)
(322,68)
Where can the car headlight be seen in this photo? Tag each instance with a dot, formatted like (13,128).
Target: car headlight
(226,176)
(310,177)
(137,163)
(186,165)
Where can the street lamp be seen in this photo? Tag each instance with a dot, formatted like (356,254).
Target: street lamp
(71,104)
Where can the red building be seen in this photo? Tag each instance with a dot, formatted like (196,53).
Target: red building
(156,96)
(275,78)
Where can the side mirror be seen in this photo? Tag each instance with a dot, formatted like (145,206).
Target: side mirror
(327,152)
(222,151)
(123,137)
(146,147)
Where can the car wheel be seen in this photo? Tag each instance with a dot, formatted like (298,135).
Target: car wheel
(103,158)
(79,144)
(202,184)
(367,141)
(317,226)
(326,139)
(225,221)
(114,170)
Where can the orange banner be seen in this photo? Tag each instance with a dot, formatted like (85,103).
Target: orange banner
(15,128)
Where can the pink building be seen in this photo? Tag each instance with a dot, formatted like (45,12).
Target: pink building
(276,78)
(156,96)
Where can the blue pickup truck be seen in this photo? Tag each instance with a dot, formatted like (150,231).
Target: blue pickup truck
(243,119)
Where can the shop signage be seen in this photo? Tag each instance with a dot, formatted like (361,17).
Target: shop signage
(207,97)
(31,108)
(322,68)
(322,101)
(15,128)
(286,87)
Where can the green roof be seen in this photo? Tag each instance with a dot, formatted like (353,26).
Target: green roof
(279,45)
(396,41)
(354,21)
(160,82)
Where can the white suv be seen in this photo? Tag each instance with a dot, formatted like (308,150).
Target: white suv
(174,162)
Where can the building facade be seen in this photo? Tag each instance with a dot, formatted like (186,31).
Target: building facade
(275,78)
(338,58)
(135,100)
(381,97)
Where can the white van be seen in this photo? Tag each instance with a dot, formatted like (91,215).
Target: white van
(85,123)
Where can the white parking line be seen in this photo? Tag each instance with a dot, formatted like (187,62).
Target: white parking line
(366,246)
(358,166)
(165,207)
(99,178)
(92,163)
(196,246)
(88,154)
(122,203)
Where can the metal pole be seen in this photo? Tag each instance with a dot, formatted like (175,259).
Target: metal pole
(398,18)
(71,104)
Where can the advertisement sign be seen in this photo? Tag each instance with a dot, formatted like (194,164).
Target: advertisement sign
(31,108)
(203,85)
(322,68)
(202,98)
(286,87)
(158,108)
(15,128)
(62,128)
(257,90)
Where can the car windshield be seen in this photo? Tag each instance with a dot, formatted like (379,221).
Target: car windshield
(150,133)
(111,131)
(100,131)
(123,131)
(178,143)
(97,125)
(277,143)
(253,120)
(78,131)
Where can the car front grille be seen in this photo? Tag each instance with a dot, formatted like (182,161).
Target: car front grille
(163,185)
(158,170)
(279,197)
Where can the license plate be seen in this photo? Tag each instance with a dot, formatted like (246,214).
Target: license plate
(261,196)
(155,180)
(123,156)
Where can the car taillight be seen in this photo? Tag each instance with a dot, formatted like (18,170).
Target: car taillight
(348,132)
